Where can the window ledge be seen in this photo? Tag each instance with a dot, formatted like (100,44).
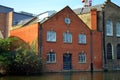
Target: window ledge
(109,35)
(82,43)
(82,62)
(118,36)
(51,41)
(51,62)
(67,42)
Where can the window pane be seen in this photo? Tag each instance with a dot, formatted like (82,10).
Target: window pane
(51,57)
(118,29)
(118,51)
(109,28)
(51,36)
(109,51)
(82,58)
(82,38)
(67,37)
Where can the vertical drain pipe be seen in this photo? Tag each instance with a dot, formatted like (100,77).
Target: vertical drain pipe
(91,52)
(40,41)
(103,36)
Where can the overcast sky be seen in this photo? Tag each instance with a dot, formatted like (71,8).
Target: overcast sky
(39,6)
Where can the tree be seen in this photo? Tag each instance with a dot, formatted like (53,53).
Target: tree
(16,57)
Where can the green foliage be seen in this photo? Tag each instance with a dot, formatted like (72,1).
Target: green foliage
(26,62)
(5,44)
(17,58)
(5,52)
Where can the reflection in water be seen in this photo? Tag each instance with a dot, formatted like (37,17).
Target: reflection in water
(69,76)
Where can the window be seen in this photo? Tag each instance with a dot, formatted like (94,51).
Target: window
(118,51)
(67,37)
(109,28)
(109,51)
(82,39)
(82,58)
(118,29)
(51,57)
(51,36)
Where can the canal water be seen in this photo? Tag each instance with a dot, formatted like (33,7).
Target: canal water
(68,76)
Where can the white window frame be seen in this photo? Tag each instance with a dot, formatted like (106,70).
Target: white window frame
(67,37)
(51,36)
(82,39)
(118,29)
(83,56)
(51,57)
(109,28)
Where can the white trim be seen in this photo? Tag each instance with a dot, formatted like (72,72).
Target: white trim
(79,58)
(48,55)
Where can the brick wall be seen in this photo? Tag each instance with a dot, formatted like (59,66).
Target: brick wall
(27,33)
(76,27)
(97,50)
(3,23)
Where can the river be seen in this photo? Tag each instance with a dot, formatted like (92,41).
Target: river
(69,76)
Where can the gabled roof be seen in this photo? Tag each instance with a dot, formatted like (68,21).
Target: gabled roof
(67,8)
(98,7)
(87,9)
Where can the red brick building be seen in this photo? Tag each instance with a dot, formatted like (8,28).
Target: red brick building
(66,43)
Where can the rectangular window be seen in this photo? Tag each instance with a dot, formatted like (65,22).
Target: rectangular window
(51,36)
(109,28)
(82,39)
(118,29)
(51,57)
(67,37)
(82,58)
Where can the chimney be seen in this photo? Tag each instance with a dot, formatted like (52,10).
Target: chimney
(108,0)
(9,23)
(94,19)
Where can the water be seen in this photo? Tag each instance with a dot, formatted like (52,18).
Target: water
(69,76)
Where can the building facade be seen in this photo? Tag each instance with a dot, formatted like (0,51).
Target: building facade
(66,43)
(9,18)
(108,16)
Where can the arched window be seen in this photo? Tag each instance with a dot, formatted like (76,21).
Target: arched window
(51,36)
(67,37)
(118,51)
(109,28)
(109,51)
(118,29)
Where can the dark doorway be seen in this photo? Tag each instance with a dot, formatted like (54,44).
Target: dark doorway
(67,61)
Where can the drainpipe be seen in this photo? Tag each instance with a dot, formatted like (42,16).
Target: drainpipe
(91,52)
(103,34)
(40,40)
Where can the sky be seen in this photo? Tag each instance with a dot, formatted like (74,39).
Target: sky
(39,6)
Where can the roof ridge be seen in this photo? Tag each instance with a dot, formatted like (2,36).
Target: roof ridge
(83,10)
